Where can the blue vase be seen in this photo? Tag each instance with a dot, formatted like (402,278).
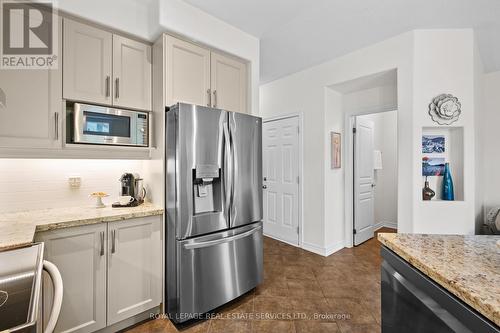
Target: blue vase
(448,193)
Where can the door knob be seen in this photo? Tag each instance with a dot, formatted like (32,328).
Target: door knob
(264,186)
(265,178)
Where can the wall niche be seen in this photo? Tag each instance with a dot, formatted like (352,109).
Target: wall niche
(442,145)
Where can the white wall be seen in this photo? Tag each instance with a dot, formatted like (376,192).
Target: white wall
(480,100)
(308,92)
(386,190)
(37,184)
(136,17)
(334,178)
(428,62)
(490,120)
(444,63)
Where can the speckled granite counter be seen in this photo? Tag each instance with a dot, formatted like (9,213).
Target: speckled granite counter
(18,229)
(467,266)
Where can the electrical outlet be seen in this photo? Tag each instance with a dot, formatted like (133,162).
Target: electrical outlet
(74,181)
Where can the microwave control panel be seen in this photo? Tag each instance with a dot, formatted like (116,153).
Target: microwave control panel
(142,129)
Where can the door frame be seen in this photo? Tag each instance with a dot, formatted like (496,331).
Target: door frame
(349,125)
(299,116)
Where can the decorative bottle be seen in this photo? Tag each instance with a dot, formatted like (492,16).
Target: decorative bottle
(448,193)
(427,192)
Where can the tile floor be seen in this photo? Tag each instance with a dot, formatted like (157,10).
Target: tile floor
(302,292)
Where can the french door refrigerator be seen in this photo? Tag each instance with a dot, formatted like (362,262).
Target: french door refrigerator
(214,208)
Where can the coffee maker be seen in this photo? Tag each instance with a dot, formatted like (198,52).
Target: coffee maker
(131,185)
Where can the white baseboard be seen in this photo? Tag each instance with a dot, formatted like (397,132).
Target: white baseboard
(323,251)
(332,248)
(386,224)
(281,240)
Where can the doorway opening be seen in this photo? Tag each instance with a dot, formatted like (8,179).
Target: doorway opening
(365,193)
(375,183)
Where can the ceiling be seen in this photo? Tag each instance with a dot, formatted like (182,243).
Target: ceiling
(297,34)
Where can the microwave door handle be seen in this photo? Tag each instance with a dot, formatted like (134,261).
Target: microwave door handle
(197,245)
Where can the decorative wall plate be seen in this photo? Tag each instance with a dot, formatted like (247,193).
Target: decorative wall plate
(445,109)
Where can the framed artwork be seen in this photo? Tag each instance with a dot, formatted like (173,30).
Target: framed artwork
(336,153)
(433,166)
(433,144)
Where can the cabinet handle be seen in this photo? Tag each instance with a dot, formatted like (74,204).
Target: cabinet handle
(107,85)
(101,252)
(56,125)
(113,240)
(117,87)
(209,98)
(215,98)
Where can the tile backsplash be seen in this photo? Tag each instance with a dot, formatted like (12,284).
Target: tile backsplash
(27,184)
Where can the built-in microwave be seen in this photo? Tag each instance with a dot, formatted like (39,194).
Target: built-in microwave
(94,124)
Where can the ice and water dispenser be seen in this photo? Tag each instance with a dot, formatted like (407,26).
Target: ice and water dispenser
(207,189)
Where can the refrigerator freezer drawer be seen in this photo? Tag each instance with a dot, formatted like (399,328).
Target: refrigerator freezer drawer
(217,268)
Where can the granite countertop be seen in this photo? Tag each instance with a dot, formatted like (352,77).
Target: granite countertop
(18,228)
(467,266)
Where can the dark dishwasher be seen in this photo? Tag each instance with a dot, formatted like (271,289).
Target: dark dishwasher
(411,302)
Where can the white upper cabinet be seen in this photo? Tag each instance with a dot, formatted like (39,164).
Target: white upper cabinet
(131,73)
(30,107)
(104,68)
(134,267)
(199,76)
(187,73)
(228,83)
(87,63)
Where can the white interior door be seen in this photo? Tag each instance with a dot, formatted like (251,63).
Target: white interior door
(280,141)
(363,181)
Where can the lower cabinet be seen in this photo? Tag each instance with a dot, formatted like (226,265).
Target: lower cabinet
(134,267)
(79,255)
(110,271)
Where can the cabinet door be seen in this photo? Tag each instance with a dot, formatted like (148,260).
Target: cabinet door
(229,83)
(187,73)
(79,254)
(131,73)
(87,63)
(134,267)
(30,107)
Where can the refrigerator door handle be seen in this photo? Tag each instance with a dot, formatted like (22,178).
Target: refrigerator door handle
(233,171)
(228,174)
(196,245)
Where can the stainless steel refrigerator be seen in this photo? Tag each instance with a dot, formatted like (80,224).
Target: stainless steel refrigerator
(214,208)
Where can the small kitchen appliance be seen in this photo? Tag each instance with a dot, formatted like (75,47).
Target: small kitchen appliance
(93,124)
(131,185)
